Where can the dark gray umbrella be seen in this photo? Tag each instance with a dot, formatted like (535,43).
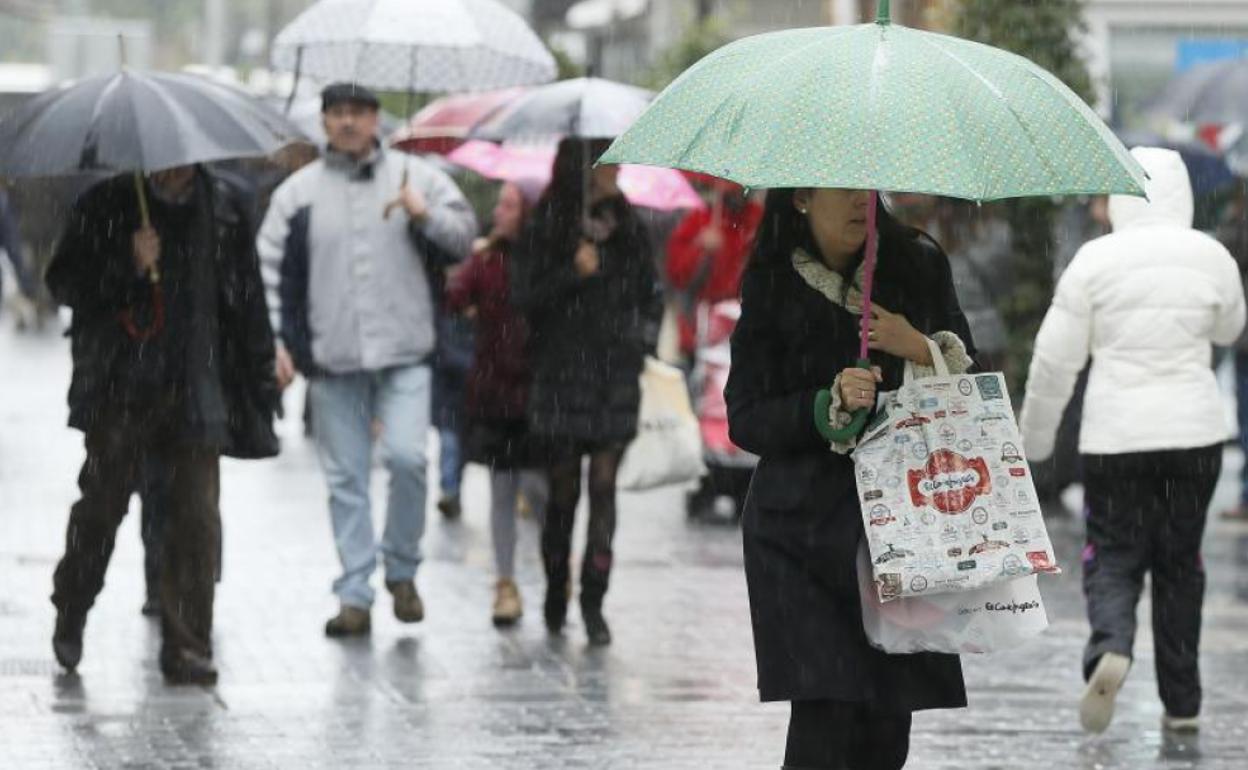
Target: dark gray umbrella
(137,121)
(1215,93)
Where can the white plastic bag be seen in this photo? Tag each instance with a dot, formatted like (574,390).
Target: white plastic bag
(948,502)
(668,446)
(995,618)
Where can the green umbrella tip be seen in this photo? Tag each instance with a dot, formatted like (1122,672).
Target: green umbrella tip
(882,15)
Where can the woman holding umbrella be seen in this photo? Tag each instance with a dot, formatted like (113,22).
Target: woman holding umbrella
(585,278)
(798,336)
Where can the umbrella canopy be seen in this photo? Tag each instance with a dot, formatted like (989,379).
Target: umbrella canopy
(883,107)
(443,124)
(1212,93)
(414,45)
(879,107)
(132,121)
(663,189)
(584,108)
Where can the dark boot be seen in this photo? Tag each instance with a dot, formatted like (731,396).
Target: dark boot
(595,575)
(67,638)
(189,668)
(558,590)
(151,606)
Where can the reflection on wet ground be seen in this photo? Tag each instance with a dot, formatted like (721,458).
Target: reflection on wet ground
(676,690)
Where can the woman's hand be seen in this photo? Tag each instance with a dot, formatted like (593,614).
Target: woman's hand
(892,333)
(586,260)
(858,388)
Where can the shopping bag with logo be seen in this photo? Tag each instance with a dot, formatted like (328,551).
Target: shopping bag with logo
(668,446)
(948,502)
(998,617)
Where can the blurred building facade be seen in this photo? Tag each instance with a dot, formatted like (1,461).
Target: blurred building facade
(619,38)
(1134,46)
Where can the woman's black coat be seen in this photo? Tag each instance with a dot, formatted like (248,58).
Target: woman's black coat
(588,336)
(802,522)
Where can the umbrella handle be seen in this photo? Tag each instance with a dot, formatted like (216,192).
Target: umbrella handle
(145,216)
(851,431)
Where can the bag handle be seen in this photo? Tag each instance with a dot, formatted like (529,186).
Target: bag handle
(859,422)
(938,361)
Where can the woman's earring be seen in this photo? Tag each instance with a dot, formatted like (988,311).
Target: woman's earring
(802,210)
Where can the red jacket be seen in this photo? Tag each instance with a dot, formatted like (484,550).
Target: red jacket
(498,383)
(685,257)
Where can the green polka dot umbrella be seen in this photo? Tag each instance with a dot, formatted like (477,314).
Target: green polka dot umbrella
(879,107)
(883,107)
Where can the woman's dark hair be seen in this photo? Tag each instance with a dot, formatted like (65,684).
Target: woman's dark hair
(784,229)
(563,201)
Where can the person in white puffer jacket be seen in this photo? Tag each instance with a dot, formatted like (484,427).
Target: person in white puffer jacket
(1147,302)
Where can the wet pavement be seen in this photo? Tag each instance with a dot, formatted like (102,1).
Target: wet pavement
(675,690)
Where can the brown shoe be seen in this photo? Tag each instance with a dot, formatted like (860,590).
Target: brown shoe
(408,607)
(507,605)
(350,621)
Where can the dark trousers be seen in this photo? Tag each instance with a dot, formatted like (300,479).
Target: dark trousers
(1146,514)
(154,496)
(835,735)
(1241,403)
(192,527)
(565,493)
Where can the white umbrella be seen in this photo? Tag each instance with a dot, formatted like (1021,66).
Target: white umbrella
(420,46)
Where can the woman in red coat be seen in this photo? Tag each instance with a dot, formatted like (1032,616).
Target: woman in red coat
(498,383)
(706,254)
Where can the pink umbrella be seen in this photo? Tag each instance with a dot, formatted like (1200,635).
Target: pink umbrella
(443,123)
(652,187)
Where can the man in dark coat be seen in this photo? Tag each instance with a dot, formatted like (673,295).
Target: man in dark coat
(173,357)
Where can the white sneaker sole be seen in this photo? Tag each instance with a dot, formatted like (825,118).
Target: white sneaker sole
(1096,710)
(1181,725)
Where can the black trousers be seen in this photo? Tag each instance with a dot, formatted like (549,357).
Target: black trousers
(565,493)
(835,735)
(1146,515)
(154,495)
(189,551)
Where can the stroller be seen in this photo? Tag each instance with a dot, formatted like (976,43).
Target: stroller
(721,494)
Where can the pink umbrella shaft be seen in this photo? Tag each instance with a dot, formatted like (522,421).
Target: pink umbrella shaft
(868,277)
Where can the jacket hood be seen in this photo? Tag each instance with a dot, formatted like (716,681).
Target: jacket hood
(1169,193)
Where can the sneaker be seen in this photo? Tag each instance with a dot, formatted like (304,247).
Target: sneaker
(188,668)
(1186,725)
(449,506)
(350,621)
(67,638)
(1097,709)
(507,605)
(408,607)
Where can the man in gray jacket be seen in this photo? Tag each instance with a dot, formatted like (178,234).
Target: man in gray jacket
(351,249)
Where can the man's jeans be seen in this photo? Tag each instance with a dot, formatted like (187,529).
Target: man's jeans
(344,407)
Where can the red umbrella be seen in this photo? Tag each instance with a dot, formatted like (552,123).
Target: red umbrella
(444,123)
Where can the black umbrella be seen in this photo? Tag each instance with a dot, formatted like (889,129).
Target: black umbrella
(137,121)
